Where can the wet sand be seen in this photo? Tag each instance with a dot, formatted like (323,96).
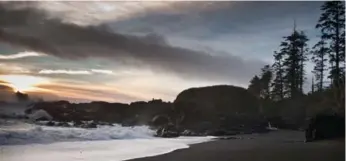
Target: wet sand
(273,146)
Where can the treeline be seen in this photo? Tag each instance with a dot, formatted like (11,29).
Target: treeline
(285,78)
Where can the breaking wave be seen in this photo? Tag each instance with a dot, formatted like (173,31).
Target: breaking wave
(24,141)
(23,133)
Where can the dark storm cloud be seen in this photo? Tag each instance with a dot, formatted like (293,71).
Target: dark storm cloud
(32,29)
(8,49)
(229,18)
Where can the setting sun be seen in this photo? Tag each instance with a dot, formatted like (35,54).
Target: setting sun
(23,83)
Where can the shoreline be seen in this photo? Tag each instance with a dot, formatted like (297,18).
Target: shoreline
(280,145)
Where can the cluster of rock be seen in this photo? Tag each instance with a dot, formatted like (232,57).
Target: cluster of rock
(323,127)
(214,110)
(80,124)
(127,114)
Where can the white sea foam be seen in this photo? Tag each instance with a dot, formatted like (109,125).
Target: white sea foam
(111,150)
(24,133)
(28,142)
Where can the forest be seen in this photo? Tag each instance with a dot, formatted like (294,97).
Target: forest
(279,86)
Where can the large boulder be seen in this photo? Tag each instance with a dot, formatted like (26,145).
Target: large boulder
(293,113)
(223,107)
(325,126)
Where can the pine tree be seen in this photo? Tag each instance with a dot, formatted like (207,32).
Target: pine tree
(290,63)
(319,57)
(265,80)
(302,57)
(255,86)
(312,85)
(260,86)
(293,51)
(278,83)
(332,26)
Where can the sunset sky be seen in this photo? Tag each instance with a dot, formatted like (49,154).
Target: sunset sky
(128,51)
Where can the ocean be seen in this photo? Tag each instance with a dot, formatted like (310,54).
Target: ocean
(21,140)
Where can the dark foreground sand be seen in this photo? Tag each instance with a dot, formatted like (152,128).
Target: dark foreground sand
(273,146)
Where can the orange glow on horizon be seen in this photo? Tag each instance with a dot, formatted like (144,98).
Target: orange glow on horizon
(56,89)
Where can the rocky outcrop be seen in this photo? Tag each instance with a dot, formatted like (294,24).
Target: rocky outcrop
(219,110)
(137,113)
(214,110)
(325,127)
(294,113)
(80,124)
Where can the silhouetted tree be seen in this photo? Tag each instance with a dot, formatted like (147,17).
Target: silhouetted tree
(265,81)
(294,51)
(278,82)
(255,86)
(332,26)
(319,57)
(312,85)
(260,86)
(304,51)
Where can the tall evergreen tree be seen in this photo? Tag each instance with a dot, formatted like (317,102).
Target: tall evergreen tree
(255,86)
(278,82)
(312,85)
(265,80)
(260,86)
(302,57)
(293,51)
(332,26)
(319,57)
(290,63)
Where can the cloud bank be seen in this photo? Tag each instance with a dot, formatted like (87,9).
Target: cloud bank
(20,55)
(72,72)
(75,72)
(33,29)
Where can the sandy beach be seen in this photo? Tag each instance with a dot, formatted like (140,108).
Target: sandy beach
(273,146)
